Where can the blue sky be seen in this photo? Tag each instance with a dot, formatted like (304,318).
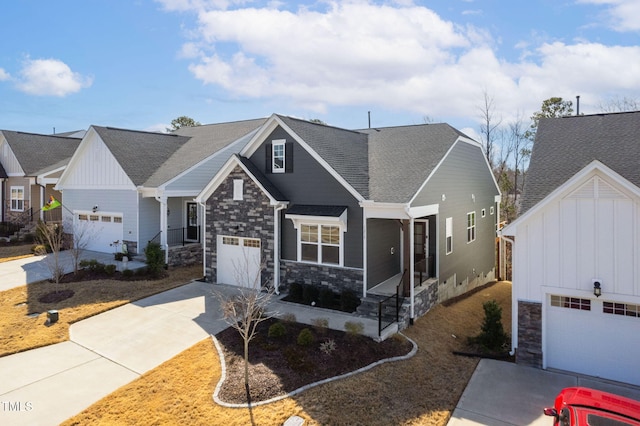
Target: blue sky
(138,64)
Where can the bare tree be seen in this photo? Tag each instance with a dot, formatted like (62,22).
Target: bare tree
(488,127)
(246,308)
(521,146)
(618,104)
(51,237)
(80,239)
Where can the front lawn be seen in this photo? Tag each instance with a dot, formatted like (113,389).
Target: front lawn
(16,250)
(23,317)
(423,390)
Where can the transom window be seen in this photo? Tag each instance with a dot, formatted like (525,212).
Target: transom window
(17,198)
(449,234)
(278,156)
(320,244)
(471,227)
(231,241)
(624,309)
(571,302)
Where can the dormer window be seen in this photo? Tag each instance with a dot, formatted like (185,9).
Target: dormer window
(278,156)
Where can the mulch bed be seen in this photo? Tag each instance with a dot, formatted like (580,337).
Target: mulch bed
(56,296)
(279,365)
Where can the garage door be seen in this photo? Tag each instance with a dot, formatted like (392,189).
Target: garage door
(98,231)
(239,261)
(593,337)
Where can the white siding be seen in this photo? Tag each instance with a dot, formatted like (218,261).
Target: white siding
(149,221)
(95,167)
(590,233)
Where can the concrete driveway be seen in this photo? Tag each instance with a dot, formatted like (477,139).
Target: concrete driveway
(48,385)
(502,393)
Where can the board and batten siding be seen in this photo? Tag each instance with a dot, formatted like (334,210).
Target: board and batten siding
(310,183)
(96,167)
(593,232)
(467,184)
(112,201)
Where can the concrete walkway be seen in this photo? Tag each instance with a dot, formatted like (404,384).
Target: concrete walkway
(502,393)
(28,270)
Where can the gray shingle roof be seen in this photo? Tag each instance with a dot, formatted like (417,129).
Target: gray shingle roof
(204,141)
(260,177)
(139,153)
(564,146)
(3,173)
(313,210)
(37,153)
(346,151)
(402,158)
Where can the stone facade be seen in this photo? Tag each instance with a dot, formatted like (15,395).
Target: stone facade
(251,217)
(187,255)
(335,278)
(529,334)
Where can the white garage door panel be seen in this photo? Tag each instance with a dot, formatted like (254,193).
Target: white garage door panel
(98,232)
(238,261)
(593,343)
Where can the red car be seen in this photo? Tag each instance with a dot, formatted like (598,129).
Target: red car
(584,406)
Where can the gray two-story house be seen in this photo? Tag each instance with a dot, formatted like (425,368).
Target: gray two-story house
(412,208)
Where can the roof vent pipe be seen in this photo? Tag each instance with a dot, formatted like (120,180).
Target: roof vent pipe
(578,105)
(369,114)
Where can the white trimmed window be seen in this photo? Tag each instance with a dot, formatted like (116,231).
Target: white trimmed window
(320,244)
(17,198)
(238,185)
(471,226)
(448,232)
(278,156)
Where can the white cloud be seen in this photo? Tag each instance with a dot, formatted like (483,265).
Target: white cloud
(401,58)
(623,14)
(4,75)
(50,77)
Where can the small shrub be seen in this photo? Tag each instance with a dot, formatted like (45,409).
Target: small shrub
(492,336)
(92,265)
(288,317)
(348,301)
(305,338)
(328,346)
(29,238)
(155,259)
(326,298)
(320,325)
(310,294)
(295,292)
(277,330)
(127,273)
(39,249)
(354,327)
(110,269)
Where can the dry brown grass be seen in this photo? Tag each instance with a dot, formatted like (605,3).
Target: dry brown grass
(19,332)
(421,391)
(13,251)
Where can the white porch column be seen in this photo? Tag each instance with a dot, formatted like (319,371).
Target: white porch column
(364,255)
(163,226)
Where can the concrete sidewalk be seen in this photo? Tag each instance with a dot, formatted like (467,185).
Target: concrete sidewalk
(19,272)
(502,393)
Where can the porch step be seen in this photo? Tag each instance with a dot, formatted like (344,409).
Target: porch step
(369,308)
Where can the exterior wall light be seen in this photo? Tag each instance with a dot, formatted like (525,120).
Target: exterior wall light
(597,291)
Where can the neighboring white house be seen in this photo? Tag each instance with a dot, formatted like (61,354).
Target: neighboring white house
(576,249)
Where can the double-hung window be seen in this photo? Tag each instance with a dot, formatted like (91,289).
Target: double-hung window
(278,156)
(320,238)
(17,198)
(471,227)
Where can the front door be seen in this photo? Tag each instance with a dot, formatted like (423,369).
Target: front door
(192,221)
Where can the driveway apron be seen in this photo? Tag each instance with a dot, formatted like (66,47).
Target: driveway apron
(48,385)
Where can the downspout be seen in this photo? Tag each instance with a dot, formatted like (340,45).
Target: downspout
(514,319)
(364,254)
(276,246)
(412,269)
(203,238)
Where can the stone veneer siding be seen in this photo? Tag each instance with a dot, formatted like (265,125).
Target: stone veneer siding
(425,297)
(187,255)
(251,217)
(335,278)
(529,334)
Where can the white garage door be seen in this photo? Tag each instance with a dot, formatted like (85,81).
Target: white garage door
(99,231)
(238,261)
(593,337)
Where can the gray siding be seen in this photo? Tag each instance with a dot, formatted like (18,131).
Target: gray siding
(462,174)
(149,222)
(115,201)
(310,183)
(382,235)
